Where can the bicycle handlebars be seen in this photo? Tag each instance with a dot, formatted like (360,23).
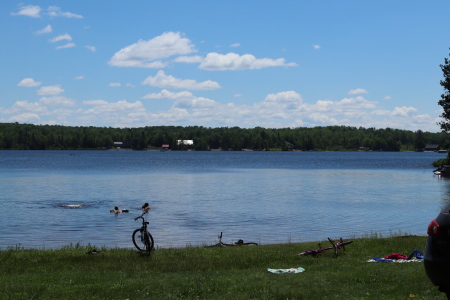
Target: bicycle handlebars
(141,216)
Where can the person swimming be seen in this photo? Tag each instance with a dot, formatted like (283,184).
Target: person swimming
(146,206)
(116,210)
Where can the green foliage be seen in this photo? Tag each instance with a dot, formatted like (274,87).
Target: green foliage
(217,273)
(445,97)
(331,138)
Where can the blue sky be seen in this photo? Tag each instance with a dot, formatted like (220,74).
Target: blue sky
(231,63)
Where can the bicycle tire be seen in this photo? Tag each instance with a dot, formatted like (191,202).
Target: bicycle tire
(148,240)
(139,242)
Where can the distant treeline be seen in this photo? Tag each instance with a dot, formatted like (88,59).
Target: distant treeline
(330,138)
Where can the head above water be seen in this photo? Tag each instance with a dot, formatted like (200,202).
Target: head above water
(116,207)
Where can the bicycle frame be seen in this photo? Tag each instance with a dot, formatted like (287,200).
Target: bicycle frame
(339,245)
(145,237)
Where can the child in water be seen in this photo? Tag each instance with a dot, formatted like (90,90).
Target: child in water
(116,210)
(146,207)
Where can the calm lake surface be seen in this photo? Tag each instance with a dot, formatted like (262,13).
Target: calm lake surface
(264,197)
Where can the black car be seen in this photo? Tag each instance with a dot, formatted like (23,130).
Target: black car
(437,253)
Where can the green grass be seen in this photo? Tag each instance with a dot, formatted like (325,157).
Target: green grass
(216,273)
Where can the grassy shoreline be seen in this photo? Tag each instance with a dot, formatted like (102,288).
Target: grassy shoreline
(217,273)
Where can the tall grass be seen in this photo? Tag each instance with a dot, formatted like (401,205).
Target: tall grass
(216,273)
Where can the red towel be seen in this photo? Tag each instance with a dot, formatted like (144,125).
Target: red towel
(396,256)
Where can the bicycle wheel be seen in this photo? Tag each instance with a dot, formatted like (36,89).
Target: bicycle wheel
(148,241)
(138,239)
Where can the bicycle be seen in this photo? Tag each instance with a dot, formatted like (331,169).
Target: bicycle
(238,243)
(142,239)
(320,250)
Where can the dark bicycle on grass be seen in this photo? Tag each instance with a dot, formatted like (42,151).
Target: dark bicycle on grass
(238,243)
(142,239)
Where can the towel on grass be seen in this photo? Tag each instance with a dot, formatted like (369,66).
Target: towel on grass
(291,270)
(415,256)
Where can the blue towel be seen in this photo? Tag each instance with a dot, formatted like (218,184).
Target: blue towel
(417,253)
(382,259)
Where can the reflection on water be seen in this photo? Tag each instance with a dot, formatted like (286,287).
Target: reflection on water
(267,197)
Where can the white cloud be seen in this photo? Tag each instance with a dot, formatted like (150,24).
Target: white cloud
(92,48)
(167,81)
(29,82)
(68,45)
(61,37)
(357,91)
(26,118)
(147,54)
(29,11)
(21,107)
(404,111)
(54,11)
(189,59)
(79,77)
(235,45)
(387,98)
(115,84)
(57,101)
(232,61)
(196,102)
(46,29)
(283,100)
(165,94)
(95,102)
(50,90)
(322,119)
(130,85)
(317,46)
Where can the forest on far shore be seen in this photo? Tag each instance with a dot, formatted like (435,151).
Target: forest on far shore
(15,136)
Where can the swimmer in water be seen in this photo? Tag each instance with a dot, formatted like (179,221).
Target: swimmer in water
(116,210)
(146,207)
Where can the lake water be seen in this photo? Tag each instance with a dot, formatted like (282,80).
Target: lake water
(264,197)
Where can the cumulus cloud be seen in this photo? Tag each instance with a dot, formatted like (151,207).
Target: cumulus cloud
(46,29)
(115,84)
(34,11)
(235,45)
(92,48)
(232,61)
(196,102)
(162,80)
(57,101)
(404,111)
(25,118)
(316,46)
(387,98)
(29,82)
(54,11)
(61,37)
(165,94)
(284,100)
(21,107)
(29,11)
(120,107)
(148,54)
(189,59)
(357,91)
(95,102)
(50,90)
(68,45)
(79,77)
